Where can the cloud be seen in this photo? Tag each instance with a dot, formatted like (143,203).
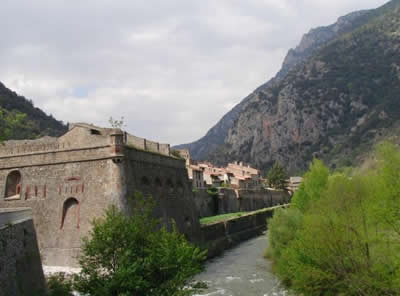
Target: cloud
(171,68)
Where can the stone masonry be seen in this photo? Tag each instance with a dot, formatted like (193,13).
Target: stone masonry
(20,266)
(70,180)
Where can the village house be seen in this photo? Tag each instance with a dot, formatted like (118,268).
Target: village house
(294,183)
(235,175)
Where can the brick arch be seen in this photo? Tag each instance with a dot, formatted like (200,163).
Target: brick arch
(13,184)
(70,213)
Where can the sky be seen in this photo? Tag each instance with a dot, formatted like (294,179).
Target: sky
(171,68)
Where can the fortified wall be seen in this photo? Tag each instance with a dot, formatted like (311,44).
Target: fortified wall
(228,200)
(20,266)
(70,180)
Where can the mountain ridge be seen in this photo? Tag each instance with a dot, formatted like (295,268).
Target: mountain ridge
(256,135)
(215,137)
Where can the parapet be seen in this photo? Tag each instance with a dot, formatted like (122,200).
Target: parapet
(81,136)
(147,145)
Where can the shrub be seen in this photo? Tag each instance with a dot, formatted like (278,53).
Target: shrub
(132,255)
(59,285)
(341,236)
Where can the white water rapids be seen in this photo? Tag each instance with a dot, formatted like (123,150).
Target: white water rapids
(242,271)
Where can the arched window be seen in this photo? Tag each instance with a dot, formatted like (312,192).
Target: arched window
(70,214)
(13,184)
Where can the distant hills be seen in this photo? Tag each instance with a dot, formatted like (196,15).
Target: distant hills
(336,95)
(33,122)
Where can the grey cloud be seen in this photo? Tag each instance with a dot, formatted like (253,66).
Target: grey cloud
(171,68)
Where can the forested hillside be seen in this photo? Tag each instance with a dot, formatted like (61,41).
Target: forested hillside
(20,119)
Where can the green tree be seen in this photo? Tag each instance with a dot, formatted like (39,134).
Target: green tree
(10,122)
(277,176)
(341,235)
(313,185)
(133,255)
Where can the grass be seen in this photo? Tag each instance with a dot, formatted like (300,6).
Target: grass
(219,218)
(225,217)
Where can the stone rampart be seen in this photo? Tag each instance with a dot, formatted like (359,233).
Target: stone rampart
(231,201)
(28,149)
(134,141)
(165,179)
(21,270)
(147,145)
(55,157)
(68,187)
(223,235)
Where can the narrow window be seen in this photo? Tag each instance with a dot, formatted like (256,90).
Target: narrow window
(95,132)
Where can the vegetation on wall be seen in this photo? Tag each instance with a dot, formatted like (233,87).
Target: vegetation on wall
(341,235)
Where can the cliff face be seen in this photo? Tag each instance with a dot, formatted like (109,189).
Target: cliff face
(337,92)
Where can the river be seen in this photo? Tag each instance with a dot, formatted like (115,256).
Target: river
(241,271)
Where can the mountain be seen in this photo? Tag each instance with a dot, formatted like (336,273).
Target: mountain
(20,119)
(336,94)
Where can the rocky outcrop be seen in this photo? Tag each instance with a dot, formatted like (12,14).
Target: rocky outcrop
(215,137)
(337,93)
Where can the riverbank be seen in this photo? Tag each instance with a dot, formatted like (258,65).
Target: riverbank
(223,235)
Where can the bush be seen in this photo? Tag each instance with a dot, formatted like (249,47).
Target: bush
(132,255)
(312,187)
(341,236)
(59,285)
(283,227)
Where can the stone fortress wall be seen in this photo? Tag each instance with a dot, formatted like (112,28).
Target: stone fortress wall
(21,270)
(70,180)
(229,200)
(147,145)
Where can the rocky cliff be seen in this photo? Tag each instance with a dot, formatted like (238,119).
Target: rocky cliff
(337,92)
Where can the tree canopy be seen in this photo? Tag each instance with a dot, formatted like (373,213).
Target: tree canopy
(277,176)
(134,255)
(341,235)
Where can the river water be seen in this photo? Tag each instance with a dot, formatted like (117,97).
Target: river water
(241,271)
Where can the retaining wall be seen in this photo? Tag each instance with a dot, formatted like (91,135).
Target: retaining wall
(223,235)
(21,270)
(233,201)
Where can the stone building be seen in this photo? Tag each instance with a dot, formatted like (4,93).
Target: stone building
(70,180)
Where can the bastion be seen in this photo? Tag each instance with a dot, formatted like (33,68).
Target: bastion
(70,180)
